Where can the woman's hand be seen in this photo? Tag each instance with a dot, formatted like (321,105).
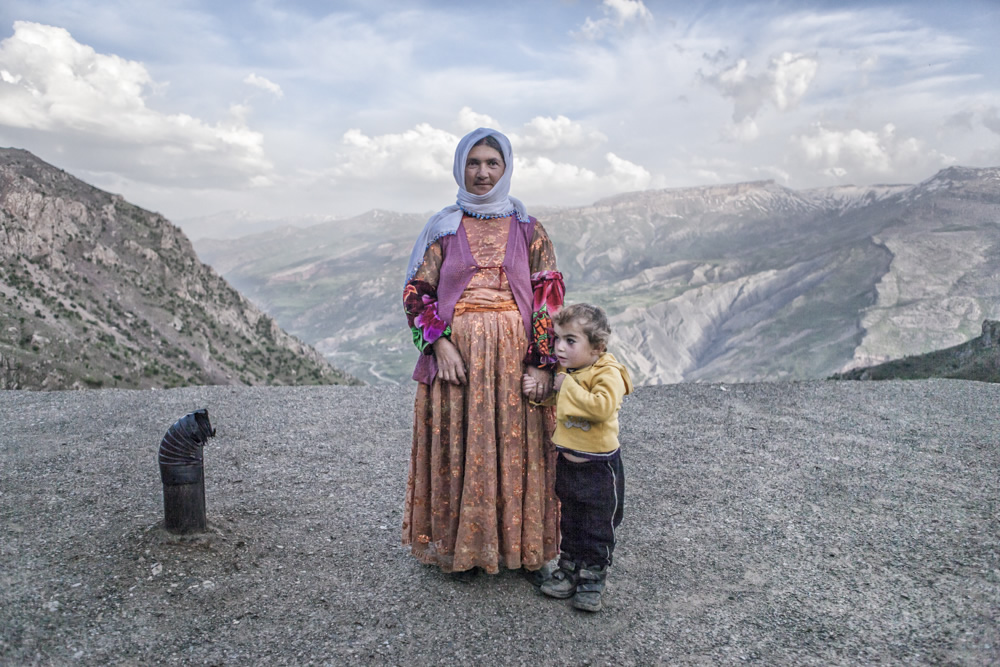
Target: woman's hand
(557,385)
(542,383)
(451,368)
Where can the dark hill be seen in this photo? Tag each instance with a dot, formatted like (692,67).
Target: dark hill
(977,359)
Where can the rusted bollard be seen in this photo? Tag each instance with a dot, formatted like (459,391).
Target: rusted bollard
(182,470)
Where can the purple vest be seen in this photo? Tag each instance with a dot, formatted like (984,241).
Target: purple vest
(457,270)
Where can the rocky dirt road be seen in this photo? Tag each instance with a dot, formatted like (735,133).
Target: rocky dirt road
(788,523)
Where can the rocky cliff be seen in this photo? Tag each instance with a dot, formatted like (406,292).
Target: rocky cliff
(98,292)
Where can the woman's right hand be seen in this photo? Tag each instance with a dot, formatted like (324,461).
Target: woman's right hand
(451,368)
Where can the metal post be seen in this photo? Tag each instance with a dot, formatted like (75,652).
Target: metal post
(182,471)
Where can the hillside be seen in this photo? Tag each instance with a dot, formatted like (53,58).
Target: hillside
(977,359)
(741,282)
(97,292)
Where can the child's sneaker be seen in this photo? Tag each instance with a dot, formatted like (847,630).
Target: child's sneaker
(562,583)
(541,575)
(590,585)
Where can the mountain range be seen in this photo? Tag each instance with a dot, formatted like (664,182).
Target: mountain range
(97,292)
(728,283)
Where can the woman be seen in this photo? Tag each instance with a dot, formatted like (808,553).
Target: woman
(481,285)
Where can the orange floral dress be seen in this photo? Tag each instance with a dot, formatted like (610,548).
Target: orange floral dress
(481,486)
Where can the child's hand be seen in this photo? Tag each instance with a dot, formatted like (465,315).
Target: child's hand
(559,380)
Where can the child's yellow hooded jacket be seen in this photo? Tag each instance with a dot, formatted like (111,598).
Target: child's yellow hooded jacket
(587,406)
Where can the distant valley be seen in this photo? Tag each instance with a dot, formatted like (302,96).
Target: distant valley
(729,283)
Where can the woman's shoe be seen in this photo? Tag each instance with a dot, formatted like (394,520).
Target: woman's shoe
(466,576)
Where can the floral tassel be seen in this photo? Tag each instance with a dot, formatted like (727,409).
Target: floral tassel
(548,289)
(420,304)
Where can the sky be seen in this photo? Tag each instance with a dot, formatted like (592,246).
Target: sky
(309,108)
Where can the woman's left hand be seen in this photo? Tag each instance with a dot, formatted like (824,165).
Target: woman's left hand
(543,383)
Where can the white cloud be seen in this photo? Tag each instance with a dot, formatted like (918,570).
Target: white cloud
(617,14)
(803,92)
(58,83)
(627,175)
(423,154)
(625,11)
(986,115)
(544,133)
(868,63)
(469,120)
(542,180)
(545,181)
(791,75)
(783,84)
(868,151)
(547,173)
(264,84)
(990,118)
(73,95)
(860,154)
(743,131)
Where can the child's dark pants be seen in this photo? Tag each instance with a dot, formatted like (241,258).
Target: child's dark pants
(592,495)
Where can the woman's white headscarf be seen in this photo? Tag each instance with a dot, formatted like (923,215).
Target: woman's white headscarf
(495,202)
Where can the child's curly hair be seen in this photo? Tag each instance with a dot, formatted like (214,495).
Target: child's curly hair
(592,319)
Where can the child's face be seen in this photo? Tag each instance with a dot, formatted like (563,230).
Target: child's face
(573,348)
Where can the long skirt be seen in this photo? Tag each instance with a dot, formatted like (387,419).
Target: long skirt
(481,487)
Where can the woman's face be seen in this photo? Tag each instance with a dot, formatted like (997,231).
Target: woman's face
(483,168)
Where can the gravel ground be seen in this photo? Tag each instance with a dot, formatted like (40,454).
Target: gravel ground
(787,523)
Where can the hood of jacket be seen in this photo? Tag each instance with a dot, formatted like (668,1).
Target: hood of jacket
(608,360)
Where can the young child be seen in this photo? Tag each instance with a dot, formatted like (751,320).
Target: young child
(590,482)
